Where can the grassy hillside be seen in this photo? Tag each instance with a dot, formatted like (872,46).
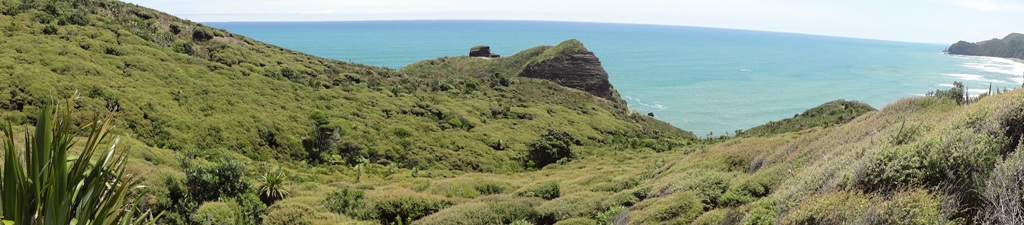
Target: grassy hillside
(828,114)
(181,85)
(214,121)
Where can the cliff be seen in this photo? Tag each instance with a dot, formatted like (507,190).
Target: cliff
(570,64)
(1011,46)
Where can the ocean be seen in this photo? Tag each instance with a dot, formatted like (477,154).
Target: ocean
(704,80)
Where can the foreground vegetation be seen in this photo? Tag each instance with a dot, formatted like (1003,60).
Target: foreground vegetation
(227,130)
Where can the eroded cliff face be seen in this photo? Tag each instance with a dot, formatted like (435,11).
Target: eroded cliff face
(572,65)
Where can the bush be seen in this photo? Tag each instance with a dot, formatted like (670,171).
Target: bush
(762,212)
(580,204)
(251,209)
(712,217)
(678,208)
(209,183)
(200,33)
(550,148)
(834,208)
(1010,118)
(1004,192)
(289,214)
(750,189)
(546,190)
(496,209)
(957,93)
(611,215)
(490,187)
(577,221)
(708,185)
(217,213)
(958,160)
(912,207)
(347,201)
(404,203)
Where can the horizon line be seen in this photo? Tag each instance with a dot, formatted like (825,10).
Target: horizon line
(568,21)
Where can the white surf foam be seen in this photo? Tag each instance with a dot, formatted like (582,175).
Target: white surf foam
(638,102)
(972,77)
(994,65)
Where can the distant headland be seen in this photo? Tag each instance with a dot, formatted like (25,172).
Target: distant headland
(1011,46)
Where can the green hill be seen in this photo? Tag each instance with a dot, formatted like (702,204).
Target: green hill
(1011,46)
(210,117)
(178,85)
(828,114)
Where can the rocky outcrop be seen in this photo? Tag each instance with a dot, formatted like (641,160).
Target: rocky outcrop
(1011,46)
(572,65)
(482,51)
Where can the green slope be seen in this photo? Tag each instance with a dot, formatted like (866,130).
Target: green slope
(208,114)
(828,114)
(178,85)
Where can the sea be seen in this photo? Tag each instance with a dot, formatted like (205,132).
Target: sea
(706,80)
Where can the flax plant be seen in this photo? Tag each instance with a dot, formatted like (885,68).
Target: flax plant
(43,184)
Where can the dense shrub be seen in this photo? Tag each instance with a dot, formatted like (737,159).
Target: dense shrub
(579,204)
(958,159)
(746,191)
(612,215)
(761,212)
(708,185)
(712,217)
(577,221)
(1010,120)
(552,147)
(833,208)
(910,207)
(496,209)
(251,209)
(1004,192)
(347,201)
(208,183)
(490,187)
(217,213)
(289,214)
(200,33)
(404,203)
(678,208)
(546,190)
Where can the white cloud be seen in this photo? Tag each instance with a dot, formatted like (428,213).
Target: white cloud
(989,5)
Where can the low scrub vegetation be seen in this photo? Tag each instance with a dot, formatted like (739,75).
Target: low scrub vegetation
(228,130)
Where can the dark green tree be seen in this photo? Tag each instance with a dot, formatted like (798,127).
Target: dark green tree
(551,147)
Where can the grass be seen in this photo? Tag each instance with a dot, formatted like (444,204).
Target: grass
(447,140)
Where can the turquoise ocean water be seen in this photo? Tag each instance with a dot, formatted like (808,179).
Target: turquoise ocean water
(699,79)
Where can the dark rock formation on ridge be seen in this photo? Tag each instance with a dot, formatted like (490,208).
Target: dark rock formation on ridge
(572,65)
(482,51)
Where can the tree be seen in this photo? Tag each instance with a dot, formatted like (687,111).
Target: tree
(550,148)
(45,186)
(272,188)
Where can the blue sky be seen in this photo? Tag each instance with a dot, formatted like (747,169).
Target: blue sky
(928,21)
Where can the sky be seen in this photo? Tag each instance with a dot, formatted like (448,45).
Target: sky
(924,21)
